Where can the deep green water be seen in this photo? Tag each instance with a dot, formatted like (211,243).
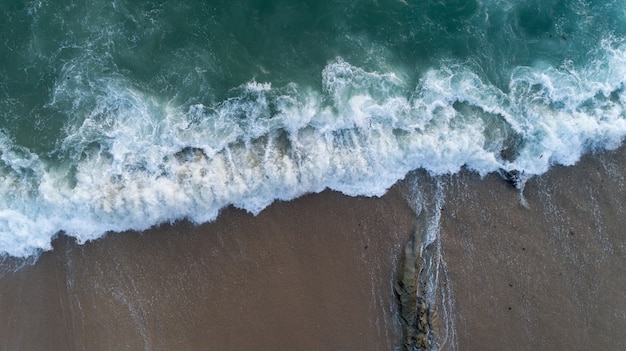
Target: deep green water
(123,114)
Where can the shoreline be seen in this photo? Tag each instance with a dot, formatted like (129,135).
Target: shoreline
(545,272)
(319,272)
(311,274)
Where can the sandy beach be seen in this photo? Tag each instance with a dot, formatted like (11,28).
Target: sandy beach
(318,273)
(312,274)
(549,276)
(313,175)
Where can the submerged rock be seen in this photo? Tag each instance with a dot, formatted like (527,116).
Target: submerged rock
(513,177)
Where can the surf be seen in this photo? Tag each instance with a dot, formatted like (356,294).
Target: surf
(123,145)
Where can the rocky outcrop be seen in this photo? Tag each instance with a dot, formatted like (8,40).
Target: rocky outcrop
(412,287)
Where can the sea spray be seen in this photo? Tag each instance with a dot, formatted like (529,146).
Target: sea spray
(119,116)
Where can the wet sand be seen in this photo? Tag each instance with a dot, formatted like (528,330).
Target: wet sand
(548,277)
(312,274)
(317,273)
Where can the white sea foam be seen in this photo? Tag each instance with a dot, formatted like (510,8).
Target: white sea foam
(134,161)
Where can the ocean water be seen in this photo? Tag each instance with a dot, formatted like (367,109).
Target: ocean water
(118,114)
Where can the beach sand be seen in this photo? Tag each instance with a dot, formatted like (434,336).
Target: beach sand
(312,274)
(318,273)
(549,276)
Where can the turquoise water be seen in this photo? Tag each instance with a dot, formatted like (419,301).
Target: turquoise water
(120,115)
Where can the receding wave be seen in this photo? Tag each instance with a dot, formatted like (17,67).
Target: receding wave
(135,161)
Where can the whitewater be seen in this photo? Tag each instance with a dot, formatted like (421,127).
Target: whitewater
(129,157)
